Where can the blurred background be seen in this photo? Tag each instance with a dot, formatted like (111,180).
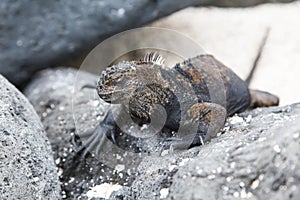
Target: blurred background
(35,35)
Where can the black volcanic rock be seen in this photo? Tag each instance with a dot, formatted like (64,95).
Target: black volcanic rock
(27,168)
(255,156)
(35,35)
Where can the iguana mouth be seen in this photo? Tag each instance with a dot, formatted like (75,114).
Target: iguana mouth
(117,82)
(113,95)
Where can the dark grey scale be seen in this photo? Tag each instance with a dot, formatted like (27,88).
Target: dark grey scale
(174,95)
(236,90)
(237,93)
(140,105)
(200,89)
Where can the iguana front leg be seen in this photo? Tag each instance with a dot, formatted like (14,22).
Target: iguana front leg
(92,141)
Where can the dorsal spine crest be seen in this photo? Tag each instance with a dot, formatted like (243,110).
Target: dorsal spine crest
(154,57)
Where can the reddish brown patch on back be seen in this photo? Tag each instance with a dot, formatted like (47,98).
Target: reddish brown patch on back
(193,73)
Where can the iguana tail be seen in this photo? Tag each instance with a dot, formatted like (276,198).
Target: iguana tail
(260,98)
(258,56)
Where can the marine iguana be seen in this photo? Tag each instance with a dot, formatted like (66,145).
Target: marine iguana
(194,98)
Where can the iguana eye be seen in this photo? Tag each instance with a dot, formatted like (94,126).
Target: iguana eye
(121,80)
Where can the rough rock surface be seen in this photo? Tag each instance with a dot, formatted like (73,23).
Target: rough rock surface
(27,168)
(36,35)
(65,107)
(256,155)
(52,94)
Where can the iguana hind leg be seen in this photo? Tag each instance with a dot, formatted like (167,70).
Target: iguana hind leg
(207,119)
(262,99)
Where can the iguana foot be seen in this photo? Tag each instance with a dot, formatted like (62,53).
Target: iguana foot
(92,140)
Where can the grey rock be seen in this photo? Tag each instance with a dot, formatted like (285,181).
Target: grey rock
(66,105)
(256,157)
(239,3)
(52,94)
(37,35)
(27,168)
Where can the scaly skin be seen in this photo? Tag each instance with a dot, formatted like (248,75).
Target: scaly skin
(196,95)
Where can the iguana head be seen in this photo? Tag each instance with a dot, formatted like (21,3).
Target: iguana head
(118,82)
